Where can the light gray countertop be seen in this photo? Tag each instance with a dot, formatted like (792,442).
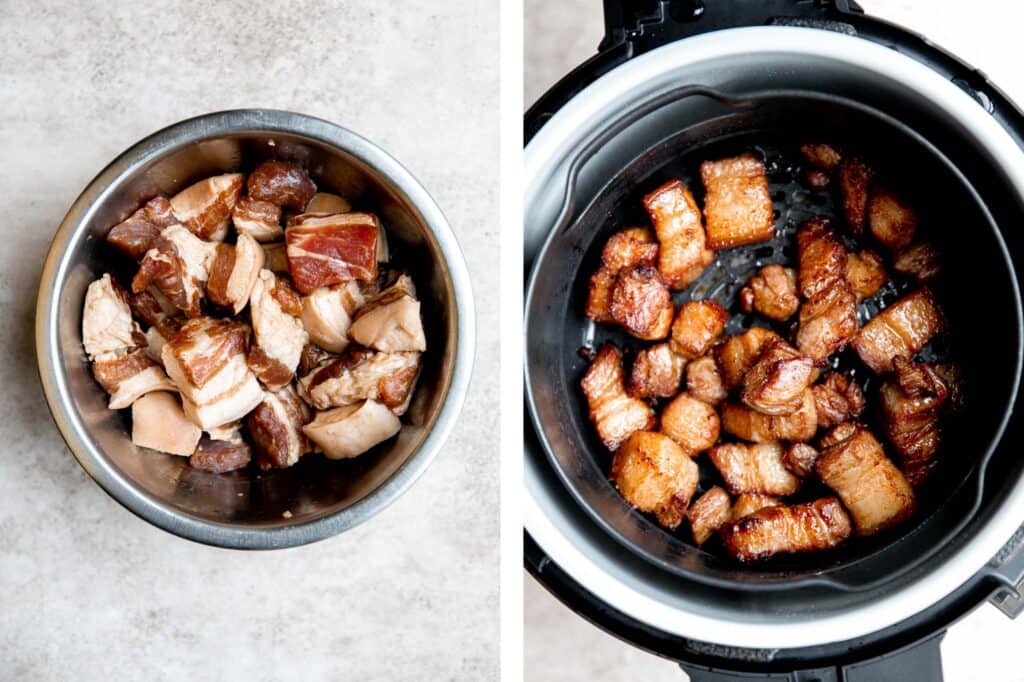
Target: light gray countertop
(90,592)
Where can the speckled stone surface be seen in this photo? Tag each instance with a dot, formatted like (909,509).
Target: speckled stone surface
(558,35)
(89,592)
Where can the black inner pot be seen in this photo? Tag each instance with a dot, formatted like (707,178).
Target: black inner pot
(977,289)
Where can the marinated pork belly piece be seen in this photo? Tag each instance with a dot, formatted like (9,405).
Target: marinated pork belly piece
(912,403)
(871,487)
(920,261)
(351,430)
(866,273)
(276,428)
(777,381)
(327,315)
(281,183)
(738,354)
(818,525)
(827,322)
(134,236)
(276,258)
(261,220)
(682,254)
(390,321)
(754,468)
(892,222)
(656,476)
(333,249)
(821,156)
(737,205)
(278,332)
(855,176)
(710,512)
(626,249)
(771,292)
(158,422)
(313,356)
(178,266)
(614,413)
(748,424)
(800,458)
(358,375)
(108,329)
(233,273)
(151,307)
(641,303)
(748,503)
(325,202)
(220,456)
(205,207)
(703,381)
(904,328)
(130,376)
(697,325)
(837,398)
(822,257)
(657,373)
(691,423)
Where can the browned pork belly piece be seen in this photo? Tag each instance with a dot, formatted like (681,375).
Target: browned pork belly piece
(281,183)
(158,422)
(276,428)
(682,254)
(748,503)
(625,249)
(904,328)
(771,292)
(108,329)
(691,423)
(822,257)
(800,458)
(738,354)
(822,156)
(614,413)
(641,303)
(178,266)
(697,325)
(777,381)
(276,258)
(912,404)
(869,484)
(838,398)
(657,373)
(656,476)
(205,207)
(754,468)
(866,273)
(279,335)
(220,456)
(892,221)
(128,377)
(737,205)
(708,513)
(134,236)
(751,425)
(261,220)
(703,381)
(855,176)
(351,430)
(920,261)
(325,202)
(327,315)
(360,374)
(390,321)
(822,524)
(827,323)
(233,273)
(325,250)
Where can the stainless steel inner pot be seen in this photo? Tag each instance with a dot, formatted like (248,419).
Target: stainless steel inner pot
(316,498)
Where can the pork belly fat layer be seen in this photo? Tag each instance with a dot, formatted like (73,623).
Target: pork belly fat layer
(205,207)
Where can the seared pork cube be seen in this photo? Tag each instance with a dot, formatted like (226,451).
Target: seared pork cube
(822,156)
(641,303)
(325,202)
(777,381)
(233,273)
(220,456)
(358,375)
(869,484)
(178,266)
(279,335)
(800,459)
(866,273)
(205,207)
(691,423)
(327,315)
(614,413)
(912,402)
(771,292)
(276,428)
(350,430)
(656,476)
(697,325)
(893,223)
(737,205)
(282,184)
(108,329)
(710,512)
(624,250)
(822,524)
(327,250)
(904,328)
(682,254)
(738,354)
(704,382)
(134,236)
(838,398)
(828,322)
(260,220)
(657,373)
(159,423)
(855,177)
(129,376)
(755,468)
(748,503)
(751,425)
(920,261)
(821,255)
(391,321)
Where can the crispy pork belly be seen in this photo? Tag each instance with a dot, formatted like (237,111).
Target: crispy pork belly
(205,207)
(233,273)
(866,273)
(324,250)
(751,425)
(828,316)
(327,315)
(656,476)
(614,413)
(281,183)
(276,428)
(359,374)
(220,456)
(869,484)
(682,254)
(904,328)
(777,381)
(391,321)
(748,503)
(108,329)
(855,176)
(838,398)
(134,236)
(912,403)
(892,222)
(920,261)
(130,376)
(158,422)
(822,156)
(800,458)
(822,257)
(325,202)
(697,325)
(737,206)
(278,331)
(738,354)
(624,250)
(351,430)
(641,303)
(703,381)
(178,266)
(657,373)
(261,220)
(822,524)
(708,513)
(276,258)
(691,423)
(755,468)
(599,295)
(771,292)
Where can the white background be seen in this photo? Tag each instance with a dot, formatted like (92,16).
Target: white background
(559,645)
